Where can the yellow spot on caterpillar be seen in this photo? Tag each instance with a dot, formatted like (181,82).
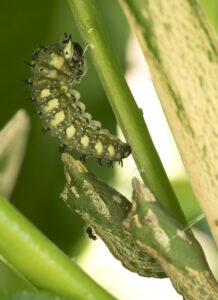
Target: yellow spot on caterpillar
(52,73)
(85,141)
(64,88)
(111,150)
(58,118)
(99,147)
(74,191)
(45,93)
(52,104)
(68,50)
(56,61)
(70,131)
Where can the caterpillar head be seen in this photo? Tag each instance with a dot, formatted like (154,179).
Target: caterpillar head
(65,56)
(72,51)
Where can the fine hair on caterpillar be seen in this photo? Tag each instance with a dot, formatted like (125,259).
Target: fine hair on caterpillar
(54,70)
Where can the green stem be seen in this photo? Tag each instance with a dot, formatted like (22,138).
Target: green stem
(40,261)
(129,116)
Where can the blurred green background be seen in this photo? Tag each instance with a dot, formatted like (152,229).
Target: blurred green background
(25,24)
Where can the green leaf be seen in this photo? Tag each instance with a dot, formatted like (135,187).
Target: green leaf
(211,10)
(181,50)
(13,139)
(40,261)
(10,280)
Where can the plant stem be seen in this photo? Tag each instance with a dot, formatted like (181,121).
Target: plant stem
(40,261)
(129,116)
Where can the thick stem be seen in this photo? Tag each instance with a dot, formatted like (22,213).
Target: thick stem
(40,261)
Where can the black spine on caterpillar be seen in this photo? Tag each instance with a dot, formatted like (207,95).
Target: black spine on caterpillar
(54,69)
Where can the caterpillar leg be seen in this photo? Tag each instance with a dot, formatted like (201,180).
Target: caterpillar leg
(29,64)
(44,130)
(26,81)
(62,148)
(110,163)
(83,158)
(120,163)
(99,161)
(33,100)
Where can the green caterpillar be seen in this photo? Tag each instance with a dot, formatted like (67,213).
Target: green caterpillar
(54,69)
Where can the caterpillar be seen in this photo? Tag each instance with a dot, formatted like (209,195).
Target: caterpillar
(54,70)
